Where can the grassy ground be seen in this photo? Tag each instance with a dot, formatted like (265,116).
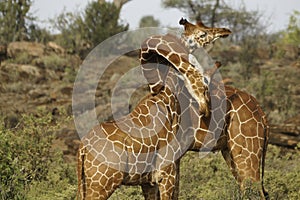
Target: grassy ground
(31,169)
(209,178)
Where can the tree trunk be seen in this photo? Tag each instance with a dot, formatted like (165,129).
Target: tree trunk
(287,135)
(214,13)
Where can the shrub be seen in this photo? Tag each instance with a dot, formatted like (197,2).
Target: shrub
(29,165)
(54,62)
(21,58)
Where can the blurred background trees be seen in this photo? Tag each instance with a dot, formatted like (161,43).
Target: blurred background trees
(149,21)
(82,31)
(18,24)
(292,33)
(14,18)
(214,13)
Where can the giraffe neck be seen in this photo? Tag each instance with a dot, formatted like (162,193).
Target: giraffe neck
(169,49)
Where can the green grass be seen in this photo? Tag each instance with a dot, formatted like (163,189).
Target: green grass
(209,178)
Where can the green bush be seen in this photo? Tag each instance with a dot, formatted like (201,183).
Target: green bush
(54,62)
(292,33)
(29,166)
(22,58)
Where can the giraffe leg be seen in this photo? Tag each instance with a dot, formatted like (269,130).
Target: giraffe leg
(102,183)
(177,177)
(167,181)
(244,161)
(240,169)
(150,192)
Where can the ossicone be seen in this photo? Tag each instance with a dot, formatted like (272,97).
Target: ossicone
(182,21)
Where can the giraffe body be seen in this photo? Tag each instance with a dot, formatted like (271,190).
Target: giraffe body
(238,127)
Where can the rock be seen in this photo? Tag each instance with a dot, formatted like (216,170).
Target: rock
(23,70)
(263,53)
(31,48)
(55,47)
(37,93)
(30,70)
(66,90)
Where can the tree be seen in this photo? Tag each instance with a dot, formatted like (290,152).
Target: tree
(292,33)
(82,31)
(100,21)
(149,21)
(213,13)
(14,15)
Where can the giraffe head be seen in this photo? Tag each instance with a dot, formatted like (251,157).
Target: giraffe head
(199,35)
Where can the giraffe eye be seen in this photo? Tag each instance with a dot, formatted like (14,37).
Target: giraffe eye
(205,80)
(203,35)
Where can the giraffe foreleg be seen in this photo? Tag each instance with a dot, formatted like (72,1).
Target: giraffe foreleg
(150,192)
(167,183)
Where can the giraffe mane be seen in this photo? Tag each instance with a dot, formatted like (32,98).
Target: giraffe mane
(200,23)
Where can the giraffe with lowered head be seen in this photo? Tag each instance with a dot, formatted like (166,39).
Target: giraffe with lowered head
(144,147)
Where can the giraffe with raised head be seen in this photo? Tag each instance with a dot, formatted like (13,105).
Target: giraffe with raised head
(237,127)
(144,147)
(200,36)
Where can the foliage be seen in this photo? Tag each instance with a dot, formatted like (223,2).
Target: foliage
(14,16)
(282,178)
(292,33)
(100,22)
(149,21)
(54,62)
(18,24)
(70,36)
(269,86)
(86,30)
(28,161)
(37,34)
(215,13)
(21,58)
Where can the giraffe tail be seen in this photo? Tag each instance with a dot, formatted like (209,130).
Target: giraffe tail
(264,151)
(80,175)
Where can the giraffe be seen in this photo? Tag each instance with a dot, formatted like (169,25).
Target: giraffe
(239,129)
(144,147)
